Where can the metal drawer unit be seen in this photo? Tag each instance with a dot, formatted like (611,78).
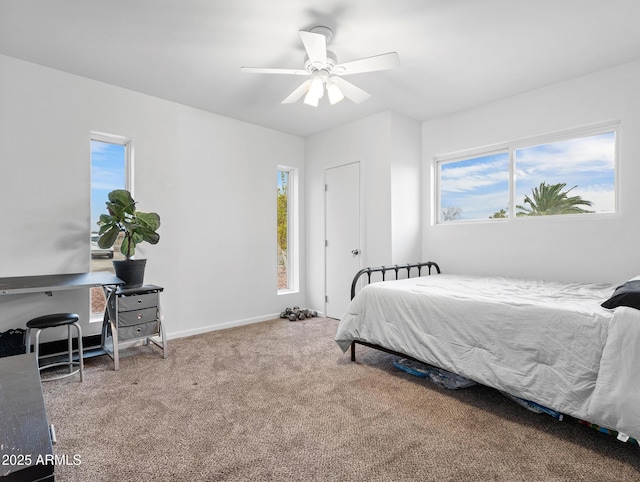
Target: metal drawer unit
(132,316)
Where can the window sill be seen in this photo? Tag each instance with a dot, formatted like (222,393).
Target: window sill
(287,292)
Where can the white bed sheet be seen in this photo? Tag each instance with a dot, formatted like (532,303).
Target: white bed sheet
(544,341)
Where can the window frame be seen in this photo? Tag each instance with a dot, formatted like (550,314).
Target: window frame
(127,143)
(511,147)
(471,155)
(293,272)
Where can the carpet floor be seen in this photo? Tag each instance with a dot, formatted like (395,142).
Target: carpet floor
(279,401)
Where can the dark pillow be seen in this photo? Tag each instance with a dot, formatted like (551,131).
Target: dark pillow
(627,294)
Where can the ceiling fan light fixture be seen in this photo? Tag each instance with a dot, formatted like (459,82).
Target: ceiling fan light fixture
(334,93)
(316,89)
(310,99)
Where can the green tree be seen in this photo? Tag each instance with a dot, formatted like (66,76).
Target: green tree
(499,215)
(549,199)
(282,215)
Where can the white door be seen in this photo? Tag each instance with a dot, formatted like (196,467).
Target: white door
(342,235)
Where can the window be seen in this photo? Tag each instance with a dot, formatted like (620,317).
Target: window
(565,174)
(110,167)
(474,188)
(582,168)
(287,275)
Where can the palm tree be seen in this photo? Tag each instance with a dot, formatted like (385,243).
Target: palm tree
(548,199)
(499,214)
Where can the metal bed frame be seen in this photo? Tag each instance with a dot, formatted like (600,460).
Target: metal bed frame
(430,264)
(397,269)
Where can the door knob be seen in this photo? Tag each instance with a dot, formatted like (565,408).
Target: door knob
(355,252)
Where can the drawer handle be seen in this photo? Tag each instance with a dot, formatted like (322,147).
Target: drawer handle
(139,300)
(138,330)
(139,316)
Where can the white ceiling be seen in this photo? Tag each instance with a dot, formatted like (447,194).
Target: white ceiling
(455,54)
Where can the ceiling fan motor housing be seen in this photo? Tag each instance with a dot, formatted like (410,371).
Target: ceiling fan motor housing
(330,62)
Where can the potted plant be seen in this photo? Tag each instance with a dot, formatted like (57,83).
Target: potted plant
(137,227)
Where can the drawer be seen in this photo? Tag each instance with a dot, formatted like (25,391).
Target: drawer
(136,302)
(136,317)
(137,331)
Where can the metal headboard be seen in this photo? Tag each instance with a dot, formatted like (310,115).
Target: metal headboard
(396,268)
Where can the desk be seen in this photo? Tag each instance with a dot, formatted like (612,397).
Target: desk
(57,282)
(25,441)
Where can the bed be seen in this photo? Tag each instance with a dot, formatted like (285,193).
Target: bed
(544,341)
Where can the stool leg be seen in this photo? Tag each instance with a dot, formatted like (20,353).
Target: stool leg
(70,348)
(80,351)
(36,347)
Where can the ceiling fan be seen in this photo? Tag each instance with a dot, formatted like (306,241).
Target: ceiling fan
(325,71)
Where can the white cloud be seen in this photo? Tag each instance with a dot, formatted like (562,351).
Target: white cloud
(595,153)
(467,178)
(602,197)
(106,177)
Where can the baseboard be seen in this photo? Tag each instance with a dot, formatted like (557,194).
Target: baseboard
(220,326)
(92,342)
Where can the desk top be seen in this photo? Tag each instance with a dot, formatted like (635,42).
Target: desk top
(56,282)
(24,430)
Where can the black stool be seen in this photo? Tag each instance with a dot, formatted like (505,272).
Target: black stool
(50,321)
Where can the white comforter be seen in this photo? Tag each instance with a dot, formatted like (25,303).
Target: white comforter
(544,341)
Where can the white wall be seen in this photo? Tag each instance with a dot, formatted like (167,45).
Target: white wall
(406,190)
(583,249)
(212,180)
(387,146)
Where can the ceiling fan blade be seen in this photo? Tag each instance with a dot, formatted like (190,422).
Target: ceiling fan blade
(298,93)
(350,91)
(316,46)
(387,61)
(260,70)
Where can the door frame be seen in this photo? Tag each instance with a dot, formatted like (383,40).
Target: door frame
(361,220)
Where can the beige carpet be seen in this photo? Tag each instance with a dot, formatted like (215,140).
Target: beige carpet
(279,401)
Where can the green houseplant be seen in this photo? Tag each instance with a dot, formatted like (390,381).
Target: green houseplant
(137,227)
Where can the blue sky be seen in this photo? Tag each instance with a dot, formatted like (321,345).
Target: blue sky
(280,178)
(107,174)
(480,186)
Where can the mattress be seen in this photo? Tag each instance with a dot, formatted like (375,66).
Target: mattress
(544,341)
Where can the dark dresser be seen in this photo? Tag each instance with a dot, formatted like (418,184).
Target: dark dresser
(26,453)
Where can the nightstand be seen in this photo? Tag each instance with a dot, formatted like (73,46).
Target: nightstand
(132,316)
